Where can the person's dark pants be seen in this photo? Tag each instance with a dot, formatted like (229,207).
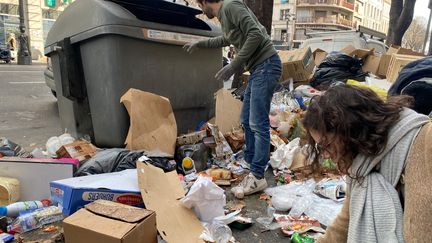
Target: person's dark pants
(255,113)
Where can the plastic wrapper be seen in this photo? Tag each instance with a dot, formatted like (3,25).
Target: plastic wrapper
(206,199)
(36,219)
(283,203)
(306,201)
(11,149)
(54,143)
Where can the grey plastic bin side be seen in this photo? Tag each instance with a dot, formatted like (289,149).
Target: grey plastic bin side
(116,57)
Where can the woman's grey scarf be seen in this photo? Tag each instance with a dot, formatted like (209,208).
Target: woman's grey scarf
(376,213)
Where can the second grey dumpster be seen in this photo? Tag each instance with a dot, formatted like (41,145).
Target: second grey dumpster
(99,49)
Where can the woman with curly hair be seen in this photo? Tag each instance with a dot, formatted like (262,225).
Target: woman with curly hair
(386,151)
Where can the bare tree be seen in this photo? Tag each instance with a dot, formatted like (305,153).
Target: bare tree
(414,36)
(401,16)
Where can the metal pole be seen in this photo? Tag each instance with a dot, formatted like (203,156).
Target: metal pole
(427,32)
(24,55)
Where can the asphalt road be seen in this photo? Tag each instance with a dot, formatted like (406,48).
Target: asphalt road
(28,110)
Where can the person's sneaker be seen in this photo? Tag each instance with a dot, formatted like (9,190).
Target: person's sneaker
(248,186)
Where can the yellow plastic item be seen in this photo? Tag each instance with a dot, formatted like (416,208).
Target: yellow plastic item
(187,163)
(379,91)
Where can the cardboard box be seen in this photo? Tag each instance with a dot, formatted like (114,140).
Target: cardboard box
(74,193)
(297,64)
(360,53)
(81,150)
(386,58)
(160,192)
(371,64)
(398,62)
(35,175)
(319,55)
(191,138)
(104,221)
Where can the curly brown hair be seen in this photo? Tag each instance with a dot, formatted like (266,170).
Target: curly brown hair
(355,117)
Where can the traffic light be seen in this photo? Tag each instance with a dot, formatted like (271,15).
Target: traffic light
(50,3)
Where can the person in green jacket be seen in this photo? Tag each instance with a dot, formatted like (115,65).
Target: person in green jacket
(256,54)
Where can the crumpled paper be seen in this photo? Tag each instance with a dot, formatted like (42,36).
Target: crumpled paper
(282,158)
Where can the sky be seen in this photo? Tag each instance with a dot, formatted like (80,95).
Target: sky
(421,8)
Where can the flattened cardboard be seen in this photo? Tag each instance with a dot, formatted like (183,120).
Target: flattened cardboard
(360,53)
(371,64)
(160,192)
(228,111)
(297,64)
(86,226)
(319,55)
(153,127)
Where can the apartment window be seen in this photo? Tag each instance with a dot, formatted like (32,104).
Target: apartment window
(284,14)
(10,9)
(50,14)
(320,14)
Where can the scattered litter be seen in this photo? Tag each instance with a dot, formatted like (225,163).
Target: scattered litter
(282,158)
(54,143)
(332,188)
(51,228)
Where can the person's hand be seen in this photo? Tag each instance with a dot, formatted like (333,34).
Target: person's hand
(191,47)
(225,73)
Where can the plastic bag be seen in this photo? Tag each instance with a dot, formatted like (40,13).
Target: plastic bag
(11,149)
(206,199)
(337,67)
(54,143)
(282,158)
(113,160)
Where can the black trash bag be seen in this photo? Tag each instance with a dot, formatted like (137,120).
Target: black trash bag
(416,70)
(113,160)
(337,67)
(11,149)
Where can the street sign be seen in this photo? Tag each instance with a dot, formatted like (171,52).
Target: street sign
(50,3)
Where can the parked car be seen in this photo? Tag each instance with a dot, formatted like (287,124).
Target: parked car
(363,38)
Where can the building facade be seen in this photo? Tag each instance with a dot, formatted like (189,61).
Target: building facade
(323,15)
(40,16)
(284,15)
(377,15)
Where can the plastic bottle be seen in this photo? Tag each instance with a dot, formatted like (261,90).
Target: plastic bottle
(220,232)
(14,209)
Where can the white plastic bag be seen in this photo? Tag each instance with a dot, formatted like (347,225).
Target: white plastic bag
(206,199)
(282,158)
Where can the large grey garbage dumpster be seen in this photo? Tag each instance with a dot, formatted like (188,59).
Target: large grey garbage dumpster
(99,49)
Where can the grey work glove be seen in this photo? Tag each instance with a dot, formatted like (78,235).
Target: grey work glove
(225,73)
(191,47)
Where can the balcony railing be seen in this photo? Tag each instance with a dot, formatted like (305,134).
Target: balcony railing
(325,20)
(341,3)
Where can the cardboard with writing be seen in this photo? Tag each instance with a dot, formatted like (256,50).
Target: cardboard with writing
(153,127)
(104,221)
(297,64)
(74,193)
(81,150)
(161,193)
